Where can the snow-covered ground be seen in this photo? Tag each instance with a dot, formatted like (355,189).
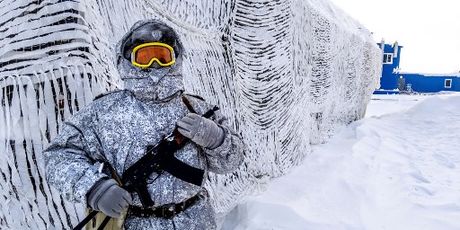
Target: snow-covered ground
(399,168)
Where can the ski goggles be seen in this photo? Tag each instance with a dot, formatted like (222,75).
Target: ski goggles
(145,54)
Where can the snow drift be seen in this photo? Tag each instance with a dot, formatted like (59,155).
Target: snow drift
(397,170)
(285,72)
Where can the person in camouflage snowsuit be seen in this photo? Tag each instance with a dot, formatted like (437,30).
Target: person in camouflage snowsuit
(115,130)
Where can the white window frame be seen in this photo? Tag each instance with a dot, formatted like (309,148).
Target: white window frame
(445,83)
(388,55)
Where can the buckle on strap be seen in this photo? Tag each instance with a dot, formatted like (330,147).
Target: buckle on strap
(168,211)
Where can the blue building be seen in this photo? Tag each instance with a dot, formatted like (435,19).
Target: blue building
(395,81)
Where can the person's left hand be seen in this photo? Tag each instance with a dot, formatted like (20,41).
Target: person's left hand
(200,130)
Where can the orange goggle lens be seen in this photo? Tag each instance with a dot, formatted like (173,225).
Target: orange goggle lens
(145,54)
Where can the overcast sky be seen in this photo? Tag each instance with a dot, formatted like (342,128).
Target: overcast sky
(429,30)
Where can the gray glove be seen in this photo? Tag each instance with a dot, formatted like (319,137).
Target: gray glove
(202,131)
(106,196)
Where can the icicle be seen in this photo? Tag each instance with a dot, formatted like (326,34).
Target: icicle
(88,95)
(49,108)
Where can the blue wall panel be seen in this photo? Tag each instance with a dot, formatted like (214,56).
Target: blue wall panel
(419,82)
(430,84)
(389,80)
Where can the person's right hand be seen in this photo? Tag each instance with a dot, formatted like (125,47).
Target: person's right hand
(106,196)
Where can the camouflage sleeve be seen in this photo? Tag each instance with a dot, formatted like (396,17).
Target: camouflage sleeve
(229,155)
(70,162)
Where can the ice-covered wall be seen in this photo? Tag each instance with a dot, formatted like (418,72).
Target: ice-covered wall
(285,71)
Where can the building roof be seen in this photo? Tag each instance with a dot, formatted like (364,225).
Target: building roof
(433,74)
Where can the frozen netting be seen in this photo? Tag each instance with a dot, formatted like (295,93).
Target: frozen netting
(285,72)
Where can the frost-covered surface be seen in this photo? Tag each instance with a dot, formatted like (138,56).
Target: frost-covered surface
(397,169)
(285,73)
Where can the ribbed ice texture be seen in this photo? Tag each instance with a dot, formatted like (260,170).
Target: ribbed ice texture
(286,72)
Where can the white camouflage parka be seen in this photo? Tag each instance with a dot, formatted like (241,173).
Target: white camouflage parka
(118,127)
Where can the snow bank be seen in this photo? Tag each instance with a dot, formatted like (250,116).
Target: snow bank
(394,171)
(286,73)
